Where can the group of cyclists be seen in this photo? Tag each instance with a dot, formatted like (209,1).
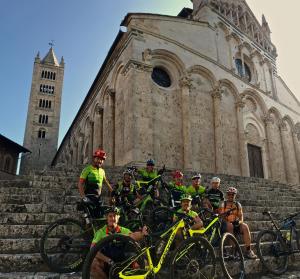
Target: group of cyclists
(125,192)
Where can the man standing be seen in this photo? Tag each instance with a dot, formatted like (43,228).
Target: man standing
(92,177)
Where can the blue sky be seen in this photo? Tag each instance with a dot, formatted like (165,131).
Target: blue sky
(83,32)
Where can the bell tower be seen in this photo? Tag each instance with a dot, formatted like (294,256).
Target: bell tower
(43,116)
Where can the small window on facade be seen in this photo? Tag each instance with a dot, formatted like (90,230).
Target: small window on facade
(161,77)
(43,134)
(40,105)
(50,104)
(46,119)
(53,76)
(42,74)
(243,70)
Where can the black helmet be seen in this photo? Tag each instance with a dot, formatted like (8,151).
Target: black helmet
(113,209)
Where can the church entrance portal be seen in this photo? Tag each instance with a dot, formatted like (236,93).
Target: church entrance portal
(255,161)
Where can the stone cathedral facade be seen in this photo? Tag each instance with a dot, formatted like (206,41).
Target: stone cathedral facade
(198,91)
(43,116)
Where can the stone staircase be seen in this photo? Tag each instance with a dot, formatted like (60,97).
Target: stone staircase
(28,205)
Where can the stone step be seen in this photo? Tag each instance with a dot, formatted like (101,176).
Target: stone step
(21,231)
(20,245)
(39,275)
(22,262)
(31,219)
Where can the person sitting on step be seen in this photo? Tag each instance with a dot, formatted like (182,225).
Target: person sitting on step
(235,220)
(214,196)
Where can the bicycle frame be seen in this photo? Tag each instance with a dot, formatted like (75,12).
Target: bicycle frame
(153,269)
(292,231)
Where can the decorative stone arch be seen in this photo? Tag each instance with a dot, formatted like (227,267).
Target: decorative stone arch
(252,94)
(163,54)
(276,113)
(233,89)
(169,62)
(198,69)
(290,122)
(116,73)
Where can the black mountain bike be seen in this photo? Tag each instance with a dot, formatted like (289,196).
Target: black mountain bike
(276,245)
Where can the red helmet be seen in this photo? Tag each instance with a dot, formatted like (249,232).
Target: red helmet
(177,174)
(100,154)
(232,190)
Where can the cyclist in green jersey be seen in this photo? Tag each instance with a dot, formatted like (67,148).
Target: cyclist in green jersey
(176,186)
(102,263)
(196,188)
(149,172)
(92,176)
(91,180)
(124,192)
(186,204)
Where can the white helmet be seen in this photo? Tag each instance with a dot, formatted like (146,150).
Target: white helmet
(196,176)
(216,179)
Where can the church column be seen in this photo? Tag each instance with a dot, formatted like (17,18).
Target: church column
(285,148)
(228,39)
(80,150)
(268,125)
(97,142)
(185,84)
(91,141)
(242,142)
(112,105)
(217,96)
(297,149)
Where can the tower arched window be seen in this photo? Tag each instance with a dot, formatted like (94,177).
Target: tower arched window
(42,74)
(53,76)
(48,75)
(40,104)
(49,104)
(46,105)
(41,134)
(40,118)
(46,119)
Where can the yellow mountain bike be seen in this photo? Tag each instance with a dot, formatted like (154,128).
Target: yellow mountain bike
(194,257)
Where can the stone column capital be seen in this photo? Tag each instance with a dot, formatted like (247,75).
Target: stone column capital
(185,81)
(282,126)
(217,92)
(99,110)
(267,119)
(111,92)
(240,104)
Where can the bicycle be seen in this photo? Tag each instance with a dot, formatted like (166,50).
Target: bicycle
(231,256)
(65,243)
(194,255)
(274,246)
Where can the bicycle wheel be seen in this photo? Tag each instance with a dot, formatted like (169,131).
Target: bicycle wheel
(271,251)
(64,245)
(231,257)
(193,258)
(120,248)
